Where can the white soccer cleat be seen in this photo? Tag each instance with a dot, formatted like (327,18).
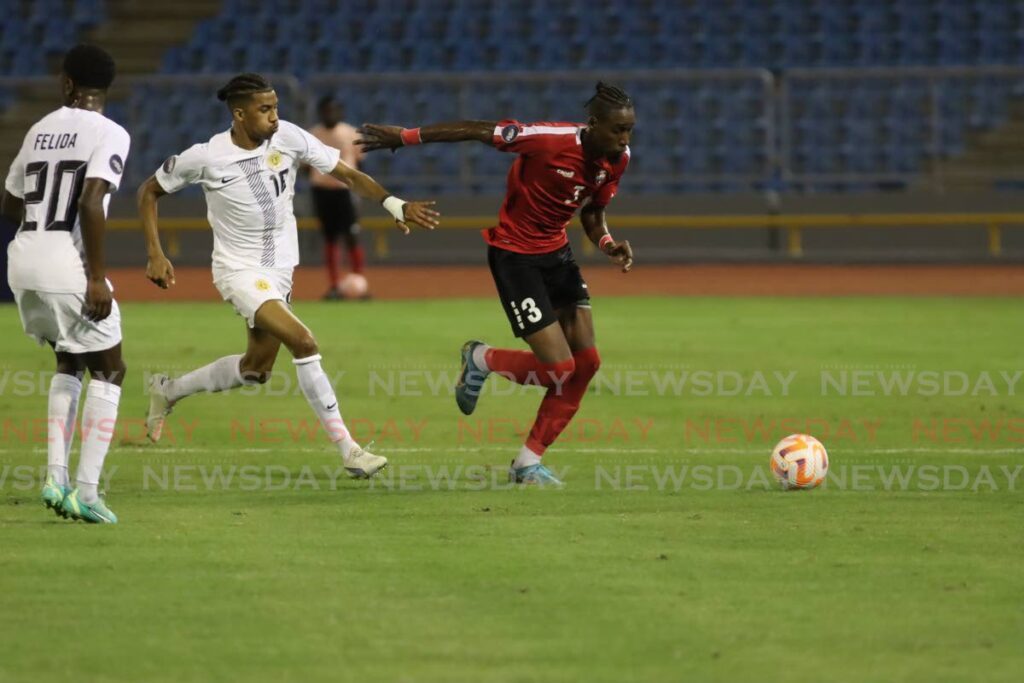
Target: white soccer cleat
(159,407)
(362,464)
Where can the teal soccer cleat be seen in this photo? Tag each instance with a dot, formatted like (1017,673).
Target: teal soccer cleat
(471,379)
(94,513)
(534,475)
(53,496)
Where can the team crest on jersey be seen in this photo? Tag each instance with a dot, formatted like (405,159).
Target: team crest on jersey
(262,285)
(274,159)
(116,164)
(509,133)
(169,164)
(601,175)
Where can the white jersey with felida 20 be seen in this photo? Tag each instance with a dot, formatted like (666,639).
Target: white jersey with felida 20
(59,152)
(249,194)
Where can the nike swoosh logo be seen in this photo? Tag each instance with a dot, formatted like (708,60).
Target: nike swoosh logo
(225,181)
(332,406)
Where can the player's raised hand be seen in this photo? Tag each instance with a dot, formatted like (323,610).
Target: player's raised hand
(419,214)
(160,271)
(620,253)
(97,300)
(375,136)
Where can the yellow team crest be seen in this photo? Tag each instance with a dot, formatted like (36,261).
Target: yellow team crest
(262,285)
(274,159)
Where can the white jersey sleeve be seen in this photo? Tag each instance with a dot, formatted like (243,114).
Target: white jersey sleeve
(15,183)
(108,157)
(182,169)
(307,148)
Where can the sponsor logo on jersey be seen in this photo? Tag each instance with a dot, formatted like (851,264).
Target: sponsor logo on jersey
(116,164)
(565,174)
(274,159)
(509,133)
(169,164)
(262,285)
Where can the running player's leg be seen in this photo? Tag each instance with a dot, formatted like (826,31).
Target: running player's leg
(61,411)
(247,291)
(559,407)
(260,354)
(164,392)
(276,319)
(523,293)
(568,293)
(99,417)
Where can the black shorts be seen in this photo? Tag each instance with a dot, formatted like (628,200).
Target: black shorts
(532,287)
(336,211)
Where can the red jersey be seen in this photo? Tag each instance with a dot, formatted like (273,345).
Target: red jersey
(547,183)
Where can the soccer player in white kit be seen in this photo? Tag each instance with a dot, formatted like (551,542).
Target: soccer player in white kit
(58,189)
(248,177)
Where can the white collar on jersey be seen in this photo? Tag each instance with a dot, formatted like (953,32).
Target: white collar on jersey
(227,146)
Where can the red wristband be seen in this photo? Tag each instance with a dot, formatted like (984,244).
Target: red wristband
(411,136)
(605,239)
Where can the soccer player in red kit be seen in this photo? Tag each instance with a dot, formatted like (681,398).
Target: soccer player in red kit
(559,168)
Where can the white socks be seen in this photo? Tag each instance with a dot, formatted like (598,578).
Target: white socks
(98,419)
(61,411)
(480,357)
(525,458)
(220,375)
(320,395)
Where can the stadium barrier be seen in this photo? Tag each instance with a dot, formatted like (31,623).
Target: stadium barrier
(792,224)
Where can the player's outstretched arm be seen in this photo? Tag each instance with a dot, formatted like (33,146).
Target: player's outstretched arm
(376,136)
(596,226)
(417,213)
(98,297)
(158,269)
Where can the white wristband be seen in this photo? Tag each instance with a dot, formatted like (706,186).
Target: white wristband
(395,206)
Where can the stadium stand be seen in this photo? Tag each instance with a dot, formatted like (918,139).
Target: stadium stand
(842,129)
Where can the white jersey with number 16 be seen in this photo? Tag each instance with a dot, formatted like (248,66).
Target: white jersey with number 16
(249,194)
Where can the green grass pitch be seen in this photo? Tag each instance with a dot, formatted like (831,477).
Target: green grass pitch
(241,555)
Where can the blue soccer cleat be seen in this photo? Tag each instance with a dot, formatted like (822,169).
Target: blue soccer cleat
(471,379)
(94,513)
(533,475)
(53,496)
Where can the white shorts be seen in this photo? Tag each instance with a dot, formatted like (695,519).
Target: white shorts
(57,318)
(247,290)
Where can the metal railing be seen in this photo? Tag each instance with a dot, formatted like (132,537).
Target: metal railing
(793,225)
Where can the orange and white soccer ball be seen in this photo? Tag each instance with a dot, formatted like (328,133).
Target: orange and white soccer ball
(354,286)
(799,462)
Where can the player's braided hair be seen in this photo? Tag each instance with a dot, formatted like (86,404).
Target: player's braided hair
(242,86)
(607,98)
(89,66)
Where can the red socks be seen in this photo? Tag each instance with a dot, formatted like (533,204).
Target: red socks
(566,381)
(357,258)
(522,367)
(561,403)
